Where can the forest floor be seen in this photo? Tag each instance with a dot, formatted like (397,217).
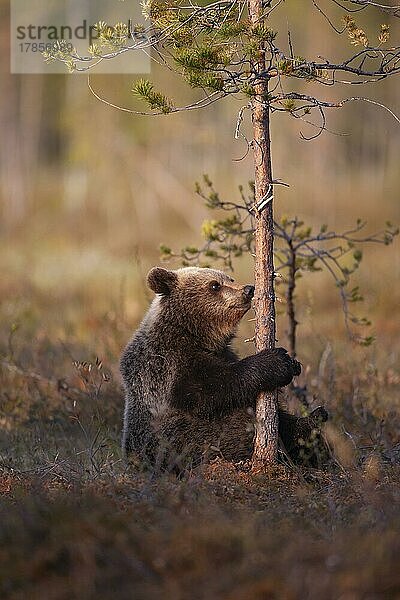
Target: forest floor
(77,523)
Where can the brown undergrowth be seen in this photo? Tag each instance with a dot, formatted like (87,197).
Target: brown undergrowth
(217,533)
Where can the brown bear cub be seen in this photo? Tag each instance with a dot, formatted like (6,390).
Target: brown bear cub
(188,396)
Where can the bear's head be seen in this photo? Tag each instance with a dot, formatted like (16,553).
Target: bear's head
(206,303)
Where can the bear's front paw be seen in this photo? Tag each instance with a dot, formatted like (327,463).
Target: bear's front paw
(284,366)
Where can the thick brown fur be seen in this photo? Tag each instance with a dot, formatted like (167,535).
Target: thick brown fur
(188,396)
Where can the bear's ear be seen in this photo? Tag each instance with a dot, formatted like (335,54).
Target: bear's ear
(161,281)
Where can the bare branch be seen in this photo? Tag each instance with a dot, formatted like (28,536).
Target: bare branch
(362,4)
(202,103)
(319,9)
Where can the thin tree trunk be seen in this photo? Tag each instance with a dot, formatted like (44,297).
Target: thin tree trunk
(266,438)
(290,301)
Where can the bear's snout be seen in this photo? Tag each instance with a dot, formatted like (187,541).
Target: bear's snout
(248,291)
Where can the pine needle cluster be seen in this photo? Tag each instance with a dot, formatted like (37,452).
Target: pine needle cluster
(144,89)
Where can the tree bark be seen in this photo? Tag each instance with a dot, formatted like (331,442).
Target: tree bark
(266,435)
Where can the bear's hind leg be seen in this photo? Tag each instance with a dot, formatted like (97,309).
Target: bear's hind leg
(301,436)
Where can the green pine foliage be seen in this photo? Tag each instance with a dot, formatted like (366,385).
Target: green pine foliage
(144,89)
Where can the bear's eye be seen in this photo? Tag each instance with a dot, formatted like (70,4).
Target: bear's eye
(215,286)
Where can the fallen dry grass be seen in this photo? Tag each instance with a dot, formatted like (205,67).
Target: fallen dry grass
(215,534)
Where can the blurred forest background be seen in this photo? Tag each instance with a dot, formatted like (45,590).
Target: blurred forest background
(87,191)
(87,194)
